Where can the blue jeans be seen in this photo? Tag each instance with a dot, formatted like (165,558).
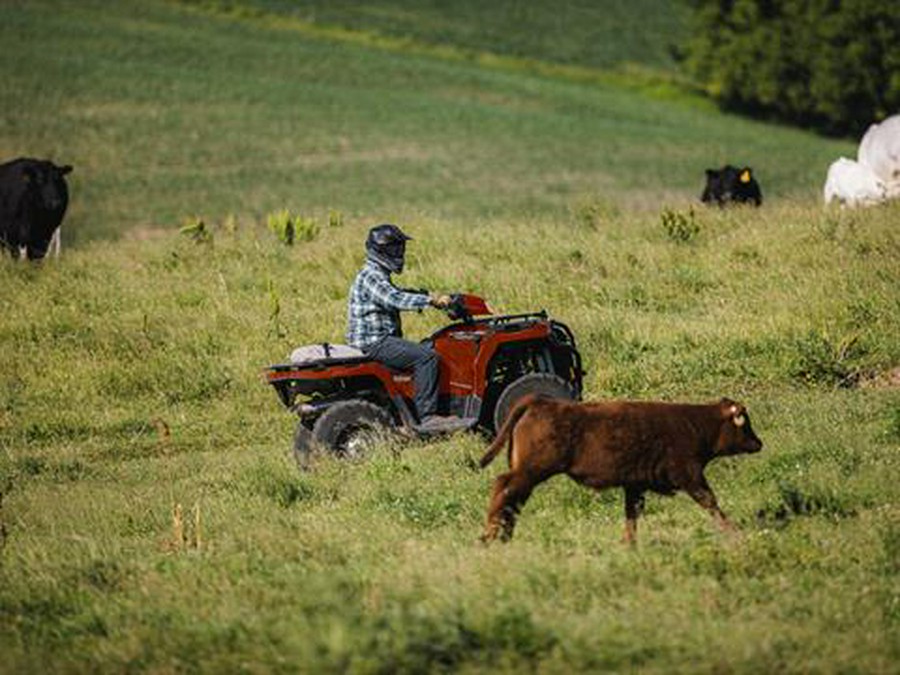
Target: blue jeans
(402,354)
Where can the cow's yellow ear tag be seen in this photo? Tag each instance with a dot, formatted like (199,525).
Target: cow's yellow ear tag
(745,176)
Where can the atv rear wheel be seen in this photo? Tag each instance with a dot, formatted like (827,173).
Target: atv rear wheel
(545,384)
(350,429)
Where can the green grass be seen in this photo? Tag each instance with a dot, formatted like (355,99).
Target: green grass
(167,113)
(603,34)
(374,567)
(131,378)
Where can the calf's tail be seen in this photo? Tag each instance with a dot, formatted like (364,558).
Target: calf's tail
(505,433)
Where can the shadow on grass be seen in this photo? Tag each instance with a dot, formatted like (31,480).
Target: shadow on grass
(794,501)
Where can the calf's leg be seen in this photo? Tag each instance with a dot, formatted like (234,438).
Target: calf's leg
(703,495)
(634,506)
(511,491)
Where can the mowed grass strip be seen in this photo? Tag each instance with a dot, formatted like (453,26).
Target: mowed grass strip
(601,34)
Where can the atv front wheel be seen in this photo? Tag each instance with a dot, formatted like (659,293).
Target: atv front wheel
(545,384)
(350,429)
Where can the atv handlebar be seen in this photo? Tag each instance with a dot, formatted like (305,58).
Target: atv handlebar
(463,307)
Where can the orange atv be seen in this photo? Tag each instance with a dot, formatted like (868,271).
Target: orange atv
(347,401)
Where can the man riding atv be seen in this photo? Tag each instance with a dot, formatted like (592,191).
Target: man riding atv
(374,324)
(468,374)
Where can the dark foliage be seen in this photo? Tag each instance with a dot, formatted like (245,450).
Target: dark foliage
(833,65)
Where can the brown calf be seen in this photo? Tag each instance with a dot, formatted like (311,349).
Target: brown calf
(639,446)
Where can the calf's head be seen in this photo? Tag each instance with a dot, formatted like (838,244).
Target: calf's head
(736,436)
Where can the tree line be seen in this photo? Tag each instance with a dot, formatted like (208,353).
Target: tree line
(832,65)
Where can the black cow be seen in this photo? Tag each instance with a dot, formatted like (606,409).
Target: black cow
(731,184)
(33,201)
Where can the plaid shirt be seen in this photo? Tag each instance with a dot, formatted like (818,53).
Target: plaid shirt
(375,305)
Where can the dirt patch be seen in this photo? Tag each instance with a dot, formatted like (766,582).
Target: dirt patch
(147,233)
(889,379)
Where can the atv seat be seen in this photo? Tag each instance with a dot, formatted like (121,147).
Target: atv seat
(328,354)
(326,351)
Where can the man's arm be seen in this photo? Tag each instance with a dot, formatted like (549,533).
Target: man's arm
(387,295)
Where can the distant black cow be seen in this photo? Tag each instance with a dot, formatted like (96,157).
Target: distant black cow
(33,200)
(730,184)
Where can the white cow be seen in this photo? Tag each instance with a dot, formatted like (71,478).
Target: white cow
(853,184)
(880,151)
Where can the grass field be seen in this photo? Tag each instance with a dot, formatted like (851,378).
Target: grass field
(153,519)
(168,112)
(605,34)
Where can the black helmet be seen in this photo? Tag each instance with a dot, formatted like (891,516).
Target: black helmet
(386,245)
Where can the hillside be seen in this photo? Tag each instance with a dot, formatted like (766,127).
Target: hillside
(602,34)
(167,112)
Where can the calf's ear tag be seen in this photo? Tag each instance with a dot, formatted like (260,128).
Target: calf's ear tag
(739,421)
(745,176)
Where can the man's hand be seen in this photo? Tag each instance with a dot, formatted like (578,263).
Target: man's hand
(440,301)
